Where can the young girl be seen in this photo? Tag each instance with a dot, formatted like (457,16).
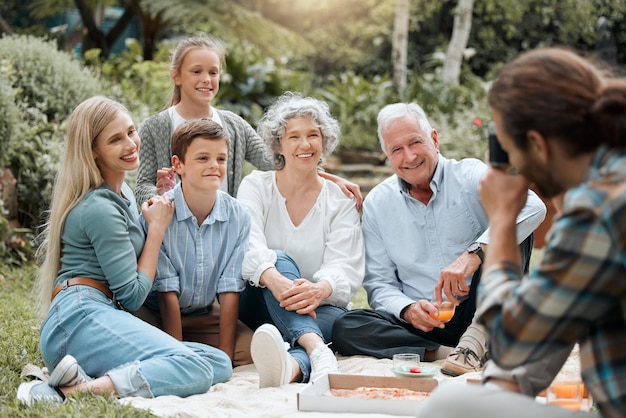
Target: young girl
(195,69)
(98,260)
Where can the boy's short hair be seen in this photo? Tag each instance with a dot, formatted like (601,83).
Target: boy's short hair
(192,129)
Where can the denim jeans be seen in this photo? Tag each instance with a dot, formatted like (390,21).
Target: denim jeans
(258,306)
(140,359)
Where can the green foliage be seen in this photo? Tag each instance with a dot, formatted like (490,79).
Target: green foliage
(9,115)
(49,82)
(356,101)
(19,333)
(42,86)
(252,82)
(144,87)
(16,244)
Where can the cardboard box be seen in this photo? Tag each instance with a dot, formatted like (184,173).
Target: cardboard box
(312,397)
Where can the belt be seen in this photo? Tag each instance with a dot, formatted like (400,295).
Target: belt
(85,282)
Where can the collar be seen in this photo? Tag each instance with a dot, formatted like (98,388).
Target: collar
(218,213)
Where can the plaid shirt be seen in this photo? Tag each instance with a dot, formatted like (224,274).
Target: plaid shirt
(577,293)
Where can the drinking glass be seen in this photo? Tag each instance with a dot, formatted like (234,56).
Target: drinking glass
(566,394)
(445,308)
(406,361)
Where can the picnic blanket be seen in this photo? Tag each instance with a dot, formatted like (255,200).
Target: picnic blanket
(241,396)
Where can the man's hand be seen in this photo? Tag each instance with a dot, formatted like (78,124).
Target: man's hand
(452,278)
(418,315)
(503,195)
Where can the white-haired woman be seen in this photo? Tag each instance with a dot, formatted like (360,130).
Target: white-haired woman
(98,259)
(306,255)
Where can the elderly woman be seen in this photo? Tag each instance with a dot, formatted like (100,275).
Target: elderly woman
(306,256)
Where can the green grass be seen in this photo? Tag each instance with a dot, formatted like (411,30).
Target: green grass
(19,345)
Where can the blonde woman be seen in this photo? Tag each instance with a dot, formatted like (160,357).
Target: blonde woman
(98,260)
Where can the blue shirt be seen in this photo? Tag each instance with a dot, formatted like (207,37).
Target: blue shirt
(198,262)
(102,240)
(408,243)
(578,291)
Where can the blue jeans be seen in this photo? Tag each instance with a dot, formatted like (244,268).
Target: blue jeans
(258,306)
(140,359)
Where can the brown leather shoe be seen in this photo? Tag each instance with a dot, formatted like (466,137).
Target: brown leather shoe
(460,361)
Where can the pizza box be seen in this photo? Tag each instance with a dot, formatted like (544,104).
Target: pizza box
(314,397)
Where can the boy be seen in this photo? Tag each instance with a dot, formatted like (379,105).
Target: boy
(203,248)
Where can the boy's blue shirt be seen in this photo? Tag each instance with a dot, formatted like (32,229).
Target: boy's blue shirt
(199,262)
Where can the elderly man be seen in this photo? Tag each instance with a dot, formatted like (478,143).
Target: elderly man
(425,234)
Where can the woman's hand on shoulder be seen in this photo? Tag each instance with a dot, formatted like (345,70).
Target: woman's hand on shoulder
(158,211)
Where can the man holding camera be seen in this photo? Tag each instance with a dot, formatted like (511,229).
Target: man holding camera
(425,233)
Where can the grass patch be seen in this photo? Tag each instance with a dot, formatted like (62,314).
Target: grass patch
(19,333)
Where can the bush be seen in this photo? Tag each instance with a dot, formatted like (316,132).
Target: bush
(42,85)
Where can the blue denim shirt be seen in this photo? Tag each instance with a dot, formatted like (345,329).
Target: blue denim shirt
(408,243)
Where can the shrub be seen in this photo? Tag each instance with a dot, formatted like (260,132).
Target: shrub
(46,79)
(42,86)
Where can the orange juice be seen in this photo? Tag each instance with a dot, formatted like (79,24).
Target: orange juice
(444,315)
(566,389)
(571,404)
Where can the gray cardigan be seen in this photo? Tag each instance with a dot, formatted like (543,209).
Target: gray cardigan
(155,152)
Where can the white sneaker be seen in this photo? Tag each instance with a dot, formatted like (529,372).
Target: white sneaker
(67,373)
(270,356)
(35,391)
(323,362)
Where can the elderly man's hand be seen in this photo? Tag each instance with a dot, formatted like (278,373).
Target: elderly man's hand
(417,314)
(452,278)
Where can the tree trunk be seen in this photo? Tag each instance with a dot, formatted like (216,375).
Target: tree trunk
(458,42)
(5,27)
(399,43)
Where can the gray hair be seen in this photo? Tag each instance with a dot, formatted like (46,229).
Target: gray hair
(394,111)
(271,127)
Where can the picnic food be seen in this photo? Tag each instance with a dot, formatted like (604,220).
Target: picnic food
(365,392)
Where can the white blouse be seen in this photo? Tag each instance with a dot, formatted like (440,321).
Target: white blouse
(327,245)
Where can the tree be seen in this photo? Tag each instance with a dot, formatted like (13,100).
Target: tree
(5,27)
(95,38)
(400,43)
(458,42)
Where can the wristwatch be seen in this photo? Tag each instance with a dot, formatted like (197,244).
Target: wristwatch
(476,248)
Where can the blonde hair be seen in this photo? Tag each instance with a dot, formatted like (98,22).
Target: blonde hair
(77,174)
(183,48)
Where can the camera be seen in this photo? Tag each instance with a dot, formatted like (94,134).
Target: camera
(497,156)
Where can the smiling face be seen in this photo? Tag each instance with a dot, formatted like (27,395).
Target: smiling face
(204,168)
(302,143)
(198,76)
(413,153)
(116,147)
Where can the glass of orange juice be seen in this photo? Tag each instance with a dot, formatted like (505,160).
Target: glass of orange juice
(445,309)
(566,394)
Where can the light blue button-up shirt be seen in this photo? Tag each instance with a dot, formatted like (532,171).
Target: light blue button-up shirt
(199,262)
(408,243)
